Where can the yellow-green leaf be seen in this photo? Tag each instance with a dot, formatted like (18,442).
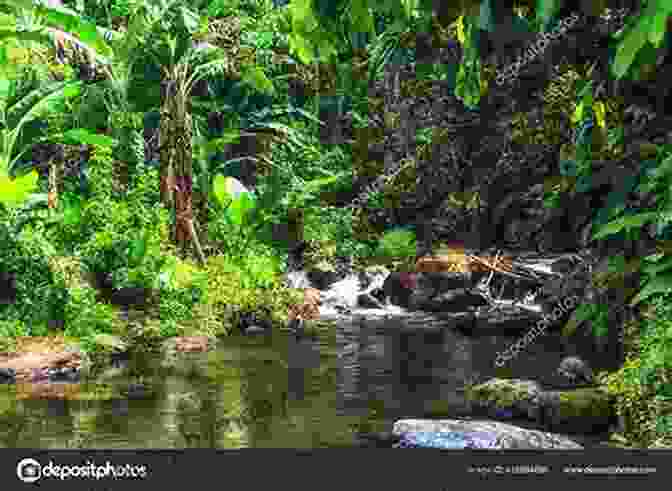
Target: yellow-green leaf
(599,110)
(13,192)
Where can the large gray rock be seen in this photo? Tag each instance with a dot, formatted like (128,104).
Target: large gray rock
(492,435)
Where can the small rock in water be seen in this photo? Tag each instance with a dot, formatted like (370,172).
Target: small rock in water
(575,370)
(7,376)
(254,329)
(63,375)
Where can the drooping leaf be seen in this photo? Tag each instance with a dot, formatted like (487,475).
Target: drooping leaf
(85,137)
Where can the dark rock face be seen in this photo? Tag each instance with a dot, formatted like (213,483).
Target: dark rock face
(8,289)
(439,283)
(322,279)
(452,301)
(398,287)
(7,376)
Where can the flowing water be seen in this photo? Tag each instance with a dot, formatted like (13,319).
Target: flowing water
(356,374)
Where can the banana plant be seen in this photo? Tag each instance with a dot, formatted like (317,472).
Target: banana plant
(12,120)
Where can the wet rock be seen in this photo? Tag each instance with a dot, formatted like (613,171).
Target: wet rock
(309,309)
(254,329)
(7,376)
(138,391)
(322,279)
(68,374)
(506,320)
(443,282)
(575,370)
(378,439)
(368,301)
(461,434)
(453,301)
(190,344)
(8,289)
(27,366)
(398,287)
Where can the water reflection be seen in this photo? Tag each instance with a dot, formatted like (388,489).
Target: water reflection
(278,391)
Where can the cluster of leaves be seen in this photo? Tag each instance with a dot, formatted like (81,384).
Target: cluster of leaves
(642,386)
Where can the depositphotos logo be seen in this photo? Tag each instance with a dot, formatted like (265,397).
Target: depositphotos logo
(29,470)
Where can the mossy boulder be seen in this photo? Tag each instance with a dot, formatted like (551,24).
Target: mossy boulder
(584,410)
(578,410)
(520,397)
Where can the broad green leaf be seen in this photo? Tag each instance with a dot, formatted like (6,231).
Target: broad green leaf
(659,284)
(72,23)
(659,22)
(13,192)
(219,189)
(138,249)
(625,223)
(629,46)
(72,212)
(84,136)
(360,16)
(256,77)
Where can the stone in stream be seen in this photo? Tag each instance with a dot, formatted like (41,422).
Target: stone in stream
(575,370)
(462,434)
(585,410)
(7,376)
